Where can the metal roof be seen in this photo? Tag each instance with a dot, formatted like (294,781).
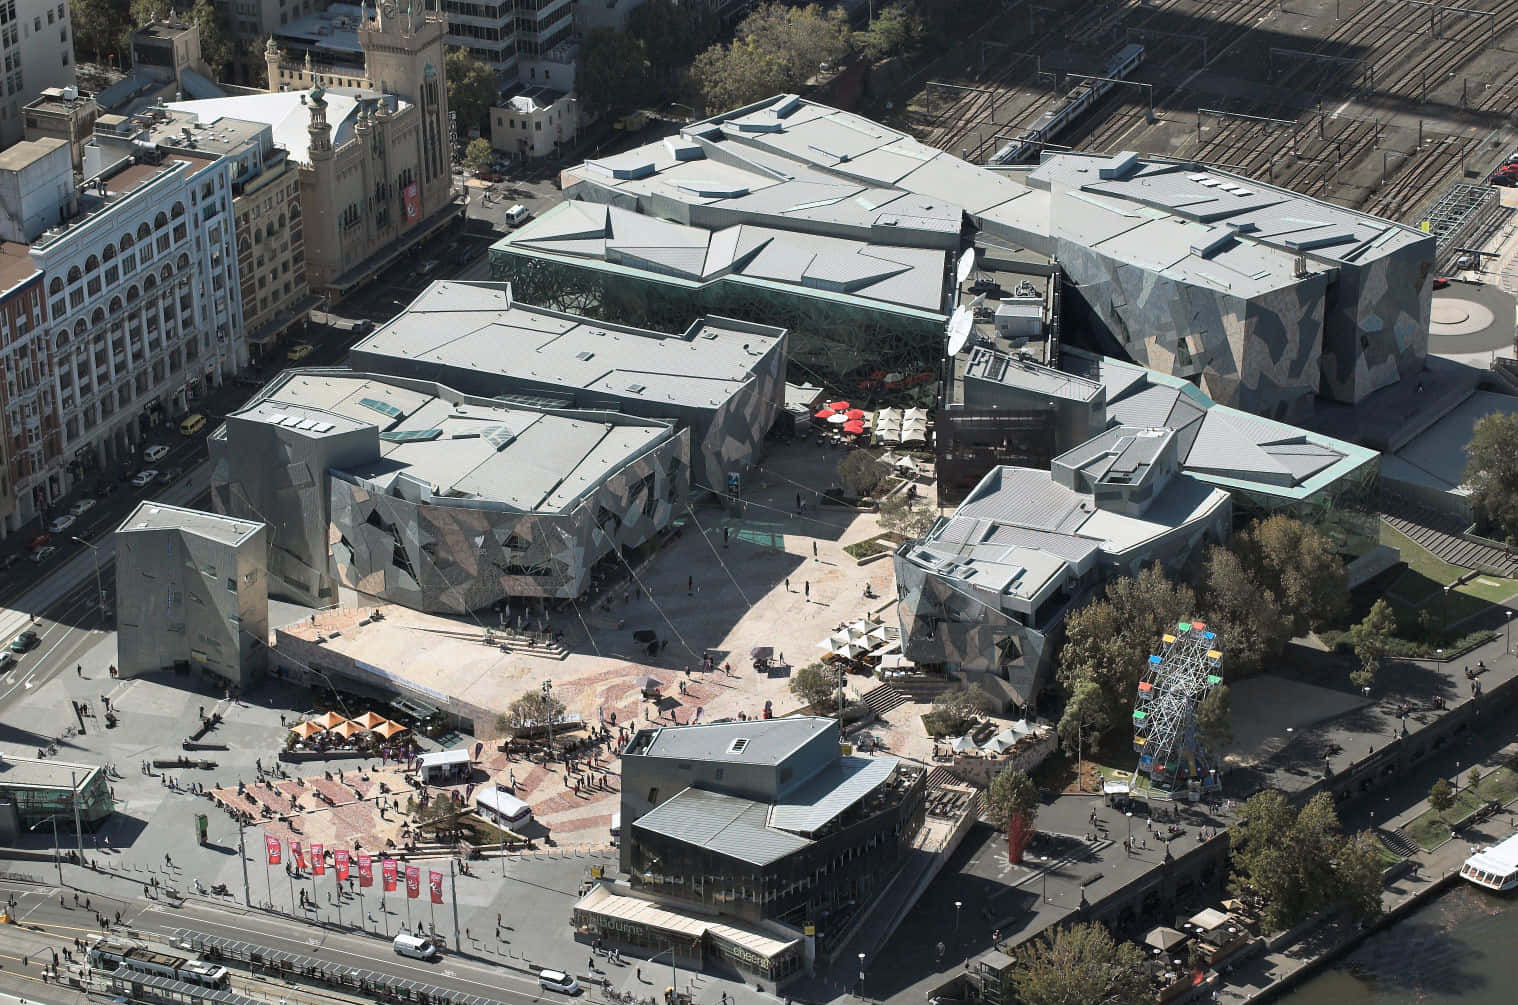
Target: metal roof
(813,805)
(728,825)
(669,917)
(761,741)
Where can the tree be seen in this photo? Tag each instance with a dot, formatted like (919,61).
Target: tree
(815,684)
(1441,796)
(1110,640)
(1080,965)
(1245,615)
(1473,780)
(1491,471)
(478,154)
(861,472)
(100,28)
(673,32)
(1360,876)
(911,518)
(1298,861)
(1371,639)
(614,73)
(894,30)
(533,708)
(1084,720)
(1012,793)
(777,49)
(471,89)
(1214,718)
(956,710)
(1299,566)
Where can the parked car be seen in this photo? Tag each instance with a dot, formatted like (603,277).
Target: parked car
(167,475)
(44,553)
(25,642)
(557,980)
(61,524)
(144,478)
(299,351)
(518,215)
(156,452)
(7,660)
(1440,282)
(82,507)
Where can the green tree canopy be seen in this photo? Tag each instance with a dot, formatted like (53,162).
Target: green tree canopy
(777,49)
(895,29)
(533,708)
(1081,965)
(1246,616)
(816,685)
(1085,718)
(471,89)
(673,32)
(1491,471)
(911,518)
(1372,639)
(615,73)
(1299,861)
(478,154)
(1214,718)
(1110,640)
(1441,796)
(861,472)
(1012,792)
(101,28)
(1297,563)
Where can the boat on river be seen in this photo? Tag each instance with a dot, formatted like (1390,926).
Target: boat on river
(1495,868)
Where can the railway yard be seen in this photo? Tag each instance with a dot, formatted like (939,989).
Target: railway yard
(1378,105)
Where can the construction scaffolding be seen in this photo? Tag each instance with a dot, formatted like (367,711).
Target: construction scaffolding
(1458,213)
(1165,733)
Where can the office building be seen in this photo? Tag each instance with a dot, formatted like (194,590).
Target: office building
(37,46)
(986,591)
(358,99)
(141,279)
(192,592)
(31,441)
(822,220)
(724,380)
(167,65)
(534,121)
(410,492)
(65,113)
(754,825)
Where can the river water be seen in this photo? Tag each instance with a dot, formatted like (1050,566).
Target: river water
(1461,947)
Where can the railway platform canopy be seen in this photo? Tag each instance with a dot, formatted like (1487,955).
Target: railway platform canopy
(834,224)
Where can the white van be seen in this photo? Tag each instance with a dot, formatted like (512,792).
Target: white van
(517,215)
(417,949)
(557,980)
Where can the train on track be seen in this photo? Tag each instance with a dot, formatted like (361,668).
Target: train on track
(135,957)
(1077,101)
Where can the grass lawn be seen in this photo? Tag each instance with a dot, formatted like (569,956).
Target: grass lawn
(1384,855)
(1426,576)
(873,545)
(1431,829)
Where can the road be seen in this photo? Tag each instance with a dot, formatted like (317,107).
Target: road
(46,923)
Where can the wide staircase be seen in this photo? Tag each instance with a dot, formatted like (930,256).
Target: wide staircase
(1398,842)
(1440,534)
(883,699)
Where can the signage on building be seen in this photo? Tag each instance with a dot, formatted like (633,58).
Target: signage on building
(413,196)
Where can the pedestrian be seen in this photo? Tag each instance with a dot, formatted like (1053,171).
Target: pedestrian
(814,549)
(808,586)
(787,584)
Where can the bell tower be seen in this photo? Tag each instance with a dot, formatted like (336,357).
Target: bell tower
(403,55)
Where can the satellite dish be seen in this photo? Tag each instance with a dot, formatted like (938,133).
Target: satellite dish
(980,298)
(966,264)
(960,323)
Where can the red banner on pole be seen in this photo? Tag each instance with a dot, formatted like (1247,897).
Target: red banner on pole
(413,882)
(365,870)
(340,857)
(435,884)
(318,860)
(413,200)
(271,845)
(387,874)
(300,860)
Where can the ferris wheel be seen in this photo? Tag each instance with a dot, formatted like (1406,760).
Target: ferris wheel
(1165,733)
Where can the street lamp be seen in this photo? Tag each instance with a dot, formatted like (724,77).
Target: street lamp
(99,588)
(1509,646)
(548,710)
(57,851)
(674,974)
(861,975)
(1129,815)
(957,905)
(1045,872)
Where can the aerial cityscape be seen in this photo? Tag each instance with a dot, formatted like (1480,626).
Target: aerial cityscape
(758,502)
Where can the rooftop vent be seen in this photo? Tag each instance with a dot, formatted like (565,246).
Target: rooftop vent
(738,745)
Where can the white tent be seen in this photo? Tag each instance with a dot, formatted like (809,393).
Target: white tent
(895,661)
(964,745)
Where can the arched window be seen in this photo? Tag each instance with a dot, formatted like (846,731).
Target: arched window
(75,274)
(167,273)
(160,221)
(98,317)
(149,284)
(79,328)
(133,294)
(184,261)
(115,305)
(145,232)
(125,242)
(63,339)
(177,211)
(56,286)
(91,264)
(108,253)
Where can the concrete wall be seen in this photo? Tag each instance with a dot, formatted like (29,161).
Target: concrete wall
(1376,330)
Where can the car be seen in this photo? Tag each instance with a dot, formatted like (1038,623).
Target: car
(144,478)
(61,524)
(1440,282)
(518,215)
(25,642)
(168,475)
(7,660)
(82,507)
(1504,180)
(156,452)
(299,351)
(429,266)
(44,553)
(558,980)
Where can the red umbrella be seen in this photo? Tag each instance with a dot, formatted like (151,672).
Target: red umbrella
(826,413)
(853,427)
(840,406)
(856,413)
